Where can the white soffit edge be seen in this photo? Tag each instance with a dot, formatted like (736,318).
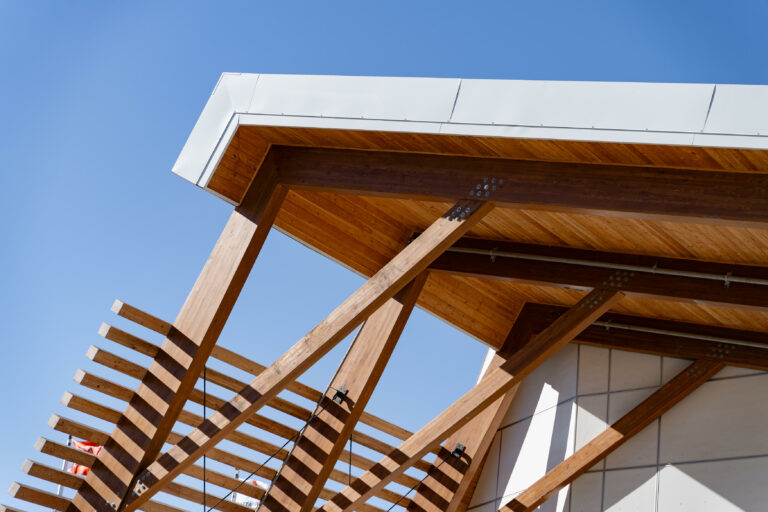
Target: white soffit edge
(644,113)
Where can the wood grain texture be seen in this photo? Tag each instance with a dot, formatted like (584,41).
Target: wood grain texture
(696,374)
(677,279)
(232,358)
(451,481)
(487,391)
(733,347)
(314,455)
(153,410)
(402,269)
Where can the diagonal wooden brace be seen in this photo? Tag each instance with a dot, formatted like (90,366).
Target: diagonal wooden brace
(614,436)
(451,481)
(402,269)
(486,392)
(142,430)
(305,472)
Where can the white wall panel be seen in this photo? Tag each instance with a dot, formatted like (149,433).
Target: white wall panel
(532,447)
(640,449)
(630,370)
(630,490)
(587,493)
(591,420)
(723,418)
(593,369)
(551,383)
(718,486)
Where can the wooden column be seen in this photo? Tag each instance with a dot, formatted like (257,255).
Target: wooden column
(144,427)
(617,434)
(304,473)
(486,392)
(451,481)
(393,277)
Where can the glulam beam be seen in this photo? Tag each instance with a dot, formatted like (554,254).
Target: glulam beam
(144,427)
(487,391)
(719,284)
(726,198)
(305,471)
(393,277)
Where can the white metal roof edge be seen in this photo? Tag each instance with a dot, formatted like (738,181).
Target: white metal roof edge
(645,113)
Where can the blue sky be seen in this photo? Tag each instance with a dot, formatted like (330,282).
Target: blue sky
(97,99)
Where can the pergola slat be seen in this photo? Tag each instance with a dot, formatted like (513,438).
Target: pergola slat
(403,268)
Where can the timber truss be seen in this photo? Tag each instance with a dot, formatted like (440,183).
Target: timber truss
(133,467)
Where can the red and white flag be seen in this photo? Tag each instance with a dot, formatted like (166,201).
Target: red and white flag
(88,447)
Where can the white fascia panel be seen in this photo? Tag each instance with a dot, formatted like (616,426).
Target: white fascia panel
(215,126)
(412,99)
(575,134)
(581,111)
(739,110)
(598,105)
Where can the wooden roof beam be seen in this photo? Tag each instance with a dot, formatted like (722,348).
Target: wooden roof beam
(746,349)
(718,284)
(614,436)
(486,392)
(393,277)
(735,199)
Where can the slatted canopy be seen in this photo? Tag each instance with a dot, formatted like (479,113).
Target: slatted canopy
(526,214)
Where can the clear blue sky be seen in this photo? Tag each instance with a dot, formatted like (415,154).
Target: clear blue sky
(97,99)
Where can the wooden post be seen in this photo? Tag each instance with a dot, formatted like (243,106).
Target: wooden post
(144,427)
(617,434)
(487,391)
(393,277)
(304,473)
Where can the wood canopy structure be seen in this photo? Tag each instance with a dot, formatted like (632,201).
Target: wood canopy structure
(649,241)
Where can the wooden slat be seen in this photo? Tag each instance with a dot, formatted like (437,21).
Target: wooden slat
(451,481)
(211,400)
(314,455)
(236,462)
(104,413)
(225,355)
(584,274)
(614,436)
(640,192)
(487,391)
(381,287)
(143,429)
(38,497)
(65,479)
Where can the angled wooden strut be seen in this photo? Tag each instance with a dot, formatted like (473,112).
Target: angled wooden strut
(149,417)
(451,480)
(487,391)
(390,279)
(304,473)
(696,374)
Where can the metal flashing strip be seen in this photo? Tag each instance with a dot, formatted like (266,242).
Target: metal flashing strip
(614,112)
